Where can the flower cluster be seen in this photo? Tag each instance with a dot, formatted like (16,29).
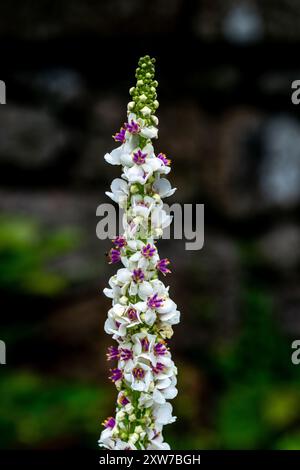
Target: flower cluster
(142,313)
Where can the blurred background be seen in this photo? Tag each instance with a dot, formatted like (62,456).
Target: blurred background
(225,70)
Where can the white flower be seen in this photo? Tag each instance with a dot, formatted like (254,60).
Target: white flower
(163,414)
(119,192)
(140,172)
(121,155)
(156,441)
(160,219)
(163,187)
(140,377)
(168,312)
(106,438)
(122,445)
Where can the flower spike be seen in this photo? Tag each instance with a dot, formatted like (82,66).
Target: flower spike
(142,314)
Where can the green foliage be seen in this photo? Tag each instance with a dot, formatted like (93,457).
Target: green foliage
(36,411)
(256,404)
(25,250)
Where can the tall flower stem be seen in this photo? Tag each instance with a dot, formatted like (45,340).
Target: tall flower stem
(142,313)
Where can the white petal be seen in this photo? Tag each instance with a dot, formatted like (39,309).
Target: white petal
(149,132)
(118,184)
(163,414)
(145,289)
(163,187)
(124,275)
(167,307)
(158,397)
(114,157)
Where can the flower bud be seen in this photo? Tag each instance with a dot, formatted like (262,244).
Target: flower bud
(128,408)
(134,189)
(146,111)
(120,415)
(133,438)
(132,418)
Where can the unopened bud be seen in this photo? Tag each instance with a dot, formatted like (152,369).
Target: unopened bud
(146,111)
(134,189)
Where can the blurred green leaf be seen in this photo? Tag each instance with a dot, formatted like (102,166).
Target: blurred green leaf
(25,251)
(36,410)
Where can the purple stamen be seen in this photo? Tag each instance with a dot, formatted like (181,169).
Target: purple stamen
(148,251)
(123,400)
(138,275)
(119,242)
(109,422)
(160,349)
(138,373)
(166,161)
(142,203)
(126,354)
(155,301)
(120,136)
(133,127)
(158,368)
(112,353)
(132,314)
(116,374)
(145,344)
(114,256)
(162,266)
(139,157)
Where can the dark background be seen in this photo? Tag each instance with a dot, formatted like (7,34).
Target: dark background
(225,70)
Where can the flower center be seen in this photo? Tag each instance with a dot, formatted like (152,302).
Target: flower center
(138,373)
(148,251)
(126,354)
(138,275)
(139,157)
(109,422)
(158,368)
(155,301)
(132,314)
(132,127)
(145,344)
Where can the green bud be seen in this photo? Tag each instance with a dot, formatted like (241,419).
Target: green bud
(134,189)
(143,98)
(144,103)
